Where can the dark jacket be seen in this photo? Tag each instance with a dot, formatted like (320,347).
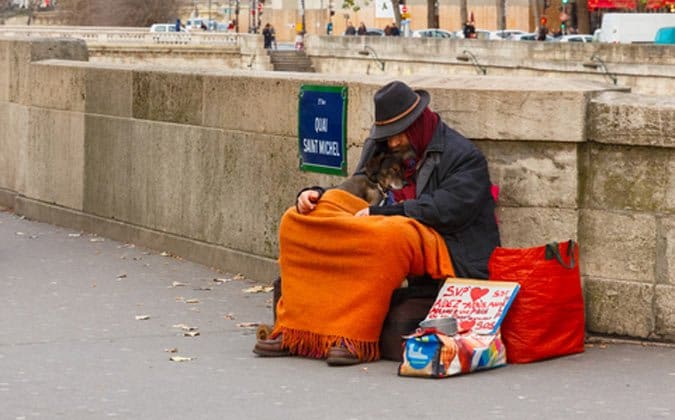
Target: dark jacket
(453,191)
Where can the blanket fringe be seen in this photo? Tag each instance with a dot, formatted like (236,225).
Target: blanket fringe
(309,344)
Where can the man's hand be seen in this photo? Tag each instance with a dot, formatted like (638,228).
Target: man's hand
(363,212)
(307,201)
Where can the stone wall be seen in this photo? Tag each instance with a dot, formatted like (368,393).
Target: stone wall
(202,163)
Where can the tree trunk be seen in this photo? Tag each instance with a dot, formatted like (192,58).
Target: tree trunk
(583,17)
(501,14)
(536,8)
(432,13)
(463,12)
(397,12)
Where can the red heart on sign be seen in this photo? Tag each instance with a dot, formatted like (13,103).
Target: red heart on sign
(477,292)
(465,325)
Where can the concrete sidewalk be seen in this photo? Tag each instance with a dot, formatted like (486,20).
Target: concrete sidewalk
(71,347)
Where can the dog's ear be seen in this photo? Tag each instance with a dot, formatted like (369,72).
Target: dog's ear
(374,163)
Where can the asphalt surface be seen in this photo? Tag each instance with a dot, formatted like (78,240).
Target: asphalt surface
(71,347)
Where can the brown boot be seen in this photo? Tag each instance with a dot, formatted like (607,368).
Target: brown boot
(270,348)
(341,356)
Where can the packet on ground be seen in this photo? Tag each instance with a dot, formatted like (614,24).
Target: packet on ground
(479,308)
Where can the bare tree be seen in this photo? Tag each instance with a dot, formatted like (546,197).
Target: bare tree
(583,18)
(119,12)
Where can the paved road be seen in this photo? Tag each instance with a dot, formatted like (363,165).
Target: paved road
(72,348)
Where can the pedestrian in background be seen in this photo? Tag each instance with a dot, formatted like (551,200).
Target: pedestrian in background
(351,30)
(267,36)
(362,29)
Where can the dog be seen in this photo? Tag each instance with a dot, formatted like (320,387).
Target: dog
(383,172)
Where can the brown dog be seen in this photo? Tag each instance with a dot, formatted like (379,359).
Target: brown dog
(382,172)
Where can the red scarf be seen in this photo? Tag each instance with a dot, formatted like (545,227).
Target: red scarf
(419,135)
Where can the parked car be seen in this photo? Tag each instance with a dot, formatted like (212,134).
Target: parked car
(531,36)
(480,34)
(665,36)
(433,33)
(505,34)
(575,38)
(163,27)
(372,32)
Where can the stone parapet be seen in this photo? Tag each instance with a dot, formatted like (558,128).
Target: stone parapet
(203,163)
(640,120)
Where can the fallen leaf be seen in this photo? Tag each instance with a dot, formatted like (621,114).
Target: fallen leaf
(185,327)
(180,299)
(122,276)
(180,359)
(142,317)
(96,240)
(228,316)
(20,233)
(222,281)
(238,276)
(248,324)
(191,300)
(258,289)
(177,284)
(171,350)
(191,333)
(164,254)
(203,289)
(74,235)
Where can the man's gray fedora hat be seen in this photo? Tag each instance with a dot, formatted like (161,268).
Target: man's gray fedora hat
(397,106)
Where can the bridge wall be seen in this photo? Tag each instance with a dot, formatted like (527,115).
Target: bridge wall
(202,163)
(646,69)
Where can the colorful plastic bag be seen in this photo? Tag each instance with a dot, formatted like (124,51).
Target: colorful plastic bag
(547,317)
(431,354)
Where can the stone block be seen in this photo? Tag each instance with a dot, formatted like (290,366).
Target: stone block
(632,119)
(22,53)
(168,96)
(617,307)
(109,91)
(665,257)
(9,155)
(252,104)
(57,85)
(618,245)
(533,174)
(13,139)
(665,312)
(510,108)
(534,226)
(54,169)
(629,178)
(107,169)
(4,70)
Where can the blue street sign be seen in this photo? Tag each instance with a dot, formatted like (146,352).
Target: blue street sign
(322,129)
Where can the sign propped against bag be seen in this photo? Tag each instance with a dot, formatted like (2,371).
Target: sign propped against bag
(322,129)
(478,305)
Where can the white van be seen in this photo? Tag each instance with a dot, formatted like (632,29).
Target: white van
(163,27)
(632,27)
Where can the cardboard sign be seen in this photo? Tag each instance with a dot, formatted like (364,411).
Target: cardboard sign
(478,305)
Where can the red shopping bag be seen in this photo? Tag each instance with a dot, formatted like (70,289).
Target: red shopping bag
(547,317)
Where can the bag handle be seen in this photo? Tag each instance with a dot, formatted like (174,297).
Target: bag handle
(552,250)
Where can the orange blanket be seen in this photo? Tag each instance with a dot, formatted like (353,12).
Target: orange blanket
(338,273)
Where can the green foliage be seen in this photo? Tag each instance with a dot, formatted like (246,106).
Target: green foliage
(354,5)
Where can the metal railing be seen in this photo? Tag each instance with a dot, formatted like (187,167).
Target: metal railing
(108,35)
